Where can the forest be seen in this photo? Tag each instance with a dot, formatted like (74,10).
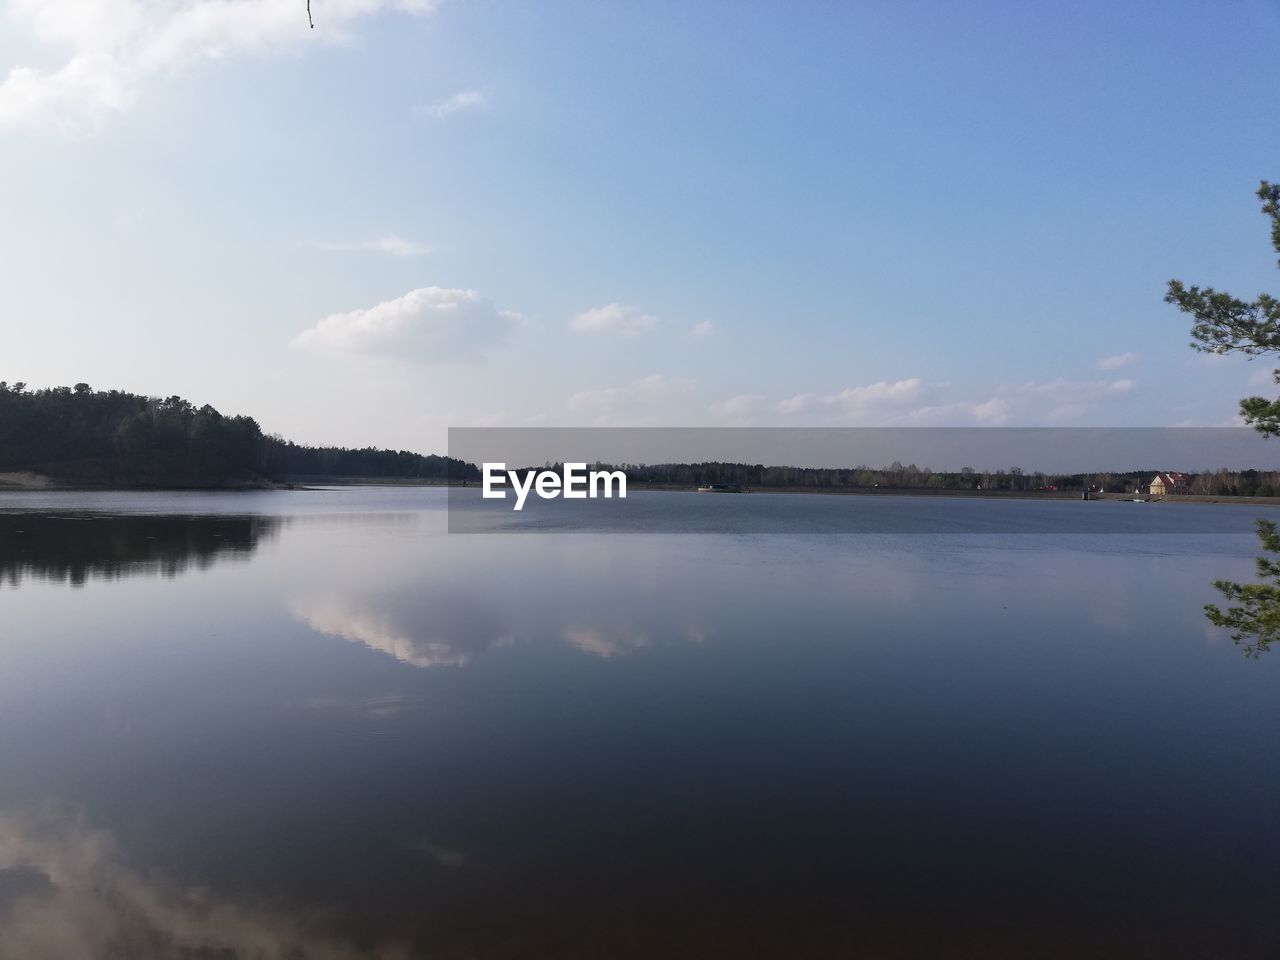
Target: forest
(111,437)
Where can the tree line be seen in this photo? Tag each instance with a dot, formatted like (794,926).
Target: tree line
(114,437)
(897,476)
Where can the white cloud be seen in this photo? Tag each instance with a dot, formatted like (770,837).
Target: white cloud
(114,48)
(613,318)
(878,395)
(914,401)
(1117,361)
(649,390)
(499,418)
(874,401)
(742,405)
(1061,400)
(465,100)
(986,413)
(596,401)
(700,331)
(796,403)
(430,325)
(390,244)
(657,387)
(1073,391)
(995,410)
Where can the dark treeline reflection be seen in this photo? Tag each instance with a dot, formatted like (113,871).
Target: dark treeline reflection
(74,548)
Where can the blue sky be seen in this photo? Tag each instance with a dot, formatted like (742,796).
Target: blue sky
(426,215)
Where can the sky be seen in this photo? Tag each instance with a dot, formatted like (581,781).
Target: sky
(421,215)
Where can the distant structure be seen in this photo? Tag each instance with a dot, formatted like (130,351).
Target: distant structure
(1164,483)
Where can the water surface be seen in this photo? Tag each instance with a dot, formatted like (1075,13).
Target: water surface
(239,725)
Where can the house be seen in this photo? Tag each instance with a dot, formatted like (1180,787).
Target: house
(1164,483)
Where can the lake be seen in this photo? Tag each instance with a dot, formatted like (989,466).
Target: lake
(316,724)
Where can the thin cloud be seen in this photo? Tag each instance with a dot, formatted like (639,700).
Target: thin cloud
(984,413)
(391,245)
(465,100)
(1062,401)
(796,403)
(875,395)
(912,401)
(428,325)
(1263,378)
(615,318)
(1117,361)
(646,391)
(700,331)
(744,404)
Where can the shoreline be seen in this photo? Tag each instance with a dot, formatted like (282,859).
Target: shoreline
(31,482)
(19,481)
(1067,495)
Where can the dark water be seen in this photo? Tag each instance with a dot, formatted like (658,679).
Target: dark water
(314,725)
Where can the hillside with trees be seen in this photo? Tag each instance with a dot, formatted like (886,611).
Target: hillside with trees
(111,437)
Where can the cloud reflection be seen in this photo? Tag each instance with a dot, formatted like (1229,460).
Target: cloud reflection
(449,631)
(600,643)
(66,891)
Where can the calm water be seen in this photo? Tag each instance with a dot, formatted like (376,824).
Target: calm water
(315,725)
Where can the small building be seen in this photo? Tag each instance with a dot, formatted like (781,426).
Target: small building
(1164,483)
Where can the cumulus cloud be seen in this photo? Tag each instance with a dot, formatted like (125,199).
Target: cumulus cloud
(430,325)
(616,318)
(390,244)
(1117,361)
(465,100)
(114,48)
